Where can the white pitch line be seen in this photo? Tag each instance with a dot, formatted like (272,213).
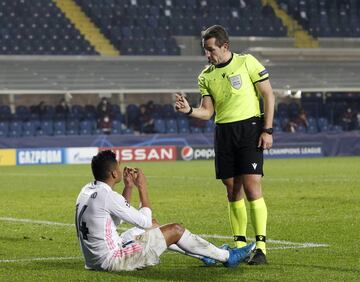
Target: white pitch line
(303,246)
(272,179)
(289,245)
(26,220)
(292,245)
(171,253)
(39,259)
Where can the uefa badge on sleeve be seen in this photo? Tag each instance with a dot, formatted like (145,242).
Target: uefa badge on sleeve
(236,81)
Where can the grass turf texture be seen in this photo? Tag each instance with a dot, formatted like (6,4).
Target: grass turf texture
(309,200)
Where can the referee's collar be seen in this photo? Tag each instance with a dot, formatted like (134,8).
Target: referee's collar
(226,63)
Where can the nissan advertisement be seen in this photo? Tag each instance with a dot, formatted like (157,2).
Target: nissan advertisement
(149,153)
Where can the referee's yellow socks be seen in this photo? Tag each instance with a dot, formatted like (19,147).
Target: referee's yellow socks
(238,222)
(258,212)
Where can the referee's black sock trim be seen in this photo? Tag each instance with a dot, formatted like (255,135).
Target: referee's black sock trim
(260,238)
(240,238)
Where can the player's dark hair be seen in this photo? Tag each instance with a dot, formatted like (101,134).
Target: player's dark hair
(102,164)
(218,32)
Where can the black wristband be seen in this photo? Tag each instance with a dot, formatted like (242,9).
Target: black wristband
(189,112)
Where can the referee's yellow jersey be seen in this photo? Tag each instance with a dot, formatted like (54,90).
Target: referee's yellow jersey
(232,87)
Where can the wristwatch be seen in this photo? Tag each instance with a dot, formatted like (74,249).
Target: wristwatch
(268,130)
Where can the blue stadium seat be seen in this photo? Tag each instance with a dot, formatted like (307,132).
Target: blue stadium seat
(59,128)
(49,112)
(282,110)
(46,128)
(22,112)
(277,128)
(336,129)
(5,112)
(132,114)
(72,124)
(29,128)
(159,125)
(86,127)
(116,127)
(77,111)
(312,121)
(171,126)
(127,131)
(195,130)
(301,129)
(312,129)
(89,112)
(183,125)
(72,131)
(4,128)
(209,126)
(15,126)
(322,122)
(97,131)
(16,132)
(324,128)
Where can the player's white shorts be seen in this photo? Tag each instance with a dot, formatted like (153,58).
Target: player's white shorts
(144,251)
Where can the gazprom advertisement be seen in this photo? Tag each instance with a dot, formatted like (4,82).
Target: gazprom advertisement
(40,156)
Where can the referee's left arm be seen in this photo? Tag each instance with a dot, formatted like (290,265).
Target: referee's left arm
(265,89)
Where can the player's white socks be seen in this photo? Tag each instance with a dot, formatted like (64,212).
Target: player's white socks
(177,249)
(194,244)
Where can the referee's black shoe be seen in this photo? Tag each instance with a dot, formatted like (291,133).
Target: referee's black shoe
(257,257)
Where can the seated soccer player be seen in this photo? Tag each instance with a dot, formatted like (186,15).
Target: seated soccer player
(99,210)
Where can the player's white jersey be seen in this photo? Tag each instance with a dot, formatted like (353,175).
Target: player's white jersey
(98,210)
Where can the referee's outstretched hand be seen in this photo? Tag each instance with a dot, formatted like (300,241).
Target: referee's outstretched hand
(181,104)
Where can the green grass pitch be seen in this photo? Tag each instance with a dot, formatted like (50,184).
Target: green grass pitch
(313,221)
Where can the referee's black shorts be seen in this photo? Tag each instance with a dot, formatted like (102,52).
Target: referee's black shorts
(236,150)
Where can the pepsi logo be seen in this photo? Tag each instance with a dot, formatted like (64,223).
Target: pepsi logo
(187,153)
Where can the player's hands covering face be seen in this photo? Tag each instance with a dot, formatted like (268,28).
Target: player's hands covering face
(137,177)
(127,177)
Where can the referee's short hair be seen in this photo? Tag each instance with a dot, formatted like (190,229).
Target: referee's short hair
(218,32)
(102,164)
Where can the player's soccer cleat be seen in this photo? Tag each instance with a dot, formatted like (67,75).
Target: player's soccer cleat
(238,255)
(257,257)
(209,261)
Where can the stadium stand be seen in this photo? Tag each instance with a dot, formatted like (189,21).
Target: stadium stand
(38,27)
(149,27)
(337,18)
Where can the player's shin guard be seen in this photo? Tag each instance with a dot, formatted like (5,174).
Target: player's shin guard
(258,212)
(194,244)
(238,222)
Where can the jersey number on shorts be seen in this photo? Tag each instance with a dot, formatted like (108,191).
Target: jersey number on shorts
(81,225)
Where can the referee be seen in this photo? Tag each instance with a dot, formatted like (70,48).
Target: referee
(231,87)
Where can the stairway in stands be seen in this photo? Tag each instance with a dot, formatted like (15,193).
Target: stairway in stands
(86,27)
(303,39)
